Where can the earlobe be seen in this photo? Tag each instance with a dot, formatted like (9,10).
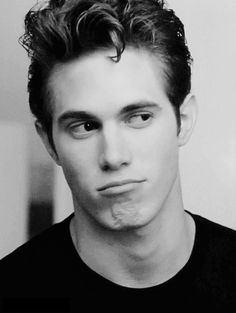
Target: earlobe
(44,137)
(188,116)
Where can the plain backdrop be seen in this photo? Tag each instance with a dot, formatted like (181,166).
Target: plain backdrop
(207,163)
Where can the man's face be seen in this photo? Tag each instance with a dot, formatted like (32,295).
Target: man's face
(115,134)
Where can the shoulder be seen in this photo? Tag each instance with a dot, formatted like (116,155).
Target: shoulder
(35,267)
(219,240)
(215,232)
(39,248)
(216,261)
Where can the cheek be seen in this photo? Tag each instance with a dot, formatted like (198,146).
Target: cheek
(160,149)
(158,158)
(161,164)
(77,163)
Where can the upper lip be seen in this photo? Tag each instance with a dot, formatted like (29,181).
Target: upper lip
(119,183)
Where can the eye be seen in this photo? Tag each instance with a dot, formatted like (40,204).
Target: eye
(83,129)
(140,120)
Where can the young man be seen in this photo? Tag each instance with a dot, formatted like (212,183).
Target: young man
(109,85)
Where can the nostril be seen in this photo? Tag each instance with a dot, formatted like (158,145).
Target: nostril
(113,158)
(106,167)
(114,151)
(112,166)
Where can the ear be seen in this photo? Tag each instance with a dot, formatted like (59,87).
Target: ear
(188,116)
(44,136)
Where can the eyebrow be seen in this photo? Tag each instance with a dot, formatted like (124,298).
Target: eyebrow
(79,115)
(139,105)
(85,115)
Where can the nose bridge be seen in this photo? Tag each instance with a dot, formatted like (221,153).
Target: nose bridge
(114,149)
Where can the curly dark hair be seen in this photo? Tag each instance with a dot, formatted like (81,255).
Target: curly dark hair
(61,30)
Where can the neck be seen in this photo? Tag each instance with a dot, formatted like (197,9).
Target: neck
(141,257)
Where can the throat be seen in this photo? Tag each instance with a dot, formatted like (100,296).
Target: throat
(135,260)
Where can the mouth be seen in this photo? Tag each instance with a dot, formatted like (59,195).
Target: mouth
(118,187)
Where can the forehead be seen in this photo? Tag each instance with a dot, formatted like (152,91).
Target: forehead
(95,82)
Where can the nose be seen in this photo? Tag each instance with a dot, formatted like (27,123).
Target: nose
(114,152)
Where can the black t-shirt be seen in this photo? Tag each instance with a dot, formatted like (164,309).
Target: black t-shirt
(48,273)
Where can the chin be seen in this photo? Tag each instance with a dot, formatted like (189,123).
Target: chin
(125,220)
(123,226)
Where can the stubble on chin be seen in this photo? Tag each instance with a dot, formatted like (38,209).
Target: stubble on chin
(125,215)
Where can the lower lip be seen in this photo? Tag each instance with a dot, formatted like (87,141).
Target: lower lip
(119,190)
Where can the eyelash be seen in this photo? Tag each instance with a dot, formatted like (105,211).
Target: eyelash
(143,123)
(74,127)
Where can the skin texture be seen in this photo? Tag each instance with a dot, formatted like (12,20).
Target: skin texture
(113,124)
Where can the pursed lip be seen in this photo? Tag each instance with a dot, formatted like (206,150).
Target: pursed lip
(119,183)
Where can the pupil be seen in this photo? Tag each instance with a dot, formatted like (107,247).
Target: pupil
(145,117)
(88,126)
